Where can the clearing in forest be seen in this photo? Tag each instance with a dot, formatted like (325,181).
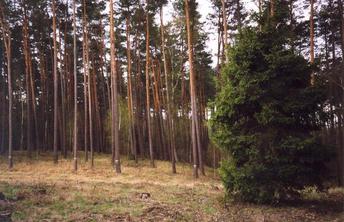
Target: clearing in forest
(38,190)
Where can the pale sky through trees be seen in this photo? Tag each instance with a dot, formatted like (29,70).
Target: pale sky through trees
(205,8)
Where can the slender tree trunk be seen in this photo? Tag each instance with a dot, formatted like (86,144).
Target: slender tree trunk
(332,38)
(55,86)
(341,12)
(63,94)
(151,152)
(219,33)
(21,119)
(113,69)
(162,106)
(339,146)
(292,24)
(44,98)
(64,86)
(157,108)
(33,96)
(168,99)
(2,123)
(311,19)
(75,131)
(7,42)
(98,129)
(85,67)
(29,128)
(138,98)
(342,128)
(224,20)
(114,92)
(327,62)
(196,144)
(90,102)
(10,102)
(272,8)
(129,94)
(202,117)
(104,86)
(260,10)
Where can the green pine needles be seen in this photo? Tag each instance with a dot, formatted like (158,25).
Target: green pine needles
(266,117)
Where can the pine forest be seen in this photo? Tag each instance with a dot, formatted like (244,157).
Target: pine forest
(171,110)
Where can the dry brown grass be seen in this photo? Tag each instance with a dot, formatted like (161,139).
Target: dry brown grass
(105,193)
(38,190)
(43,169)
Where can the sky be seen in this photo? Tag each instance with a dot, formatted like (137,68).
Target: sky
(205,8)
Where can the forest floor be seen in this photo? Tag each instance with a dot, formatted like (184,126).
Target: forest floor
(38,190)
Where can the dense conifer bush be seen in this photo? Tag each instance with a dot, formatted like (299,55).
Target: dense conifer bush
(266,117)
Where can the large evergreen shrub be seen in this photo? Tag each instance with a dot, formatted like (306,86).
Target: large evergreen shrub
(265,117)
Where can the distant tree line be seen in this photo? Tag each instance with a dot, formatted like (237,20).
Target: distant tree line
(104,76)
